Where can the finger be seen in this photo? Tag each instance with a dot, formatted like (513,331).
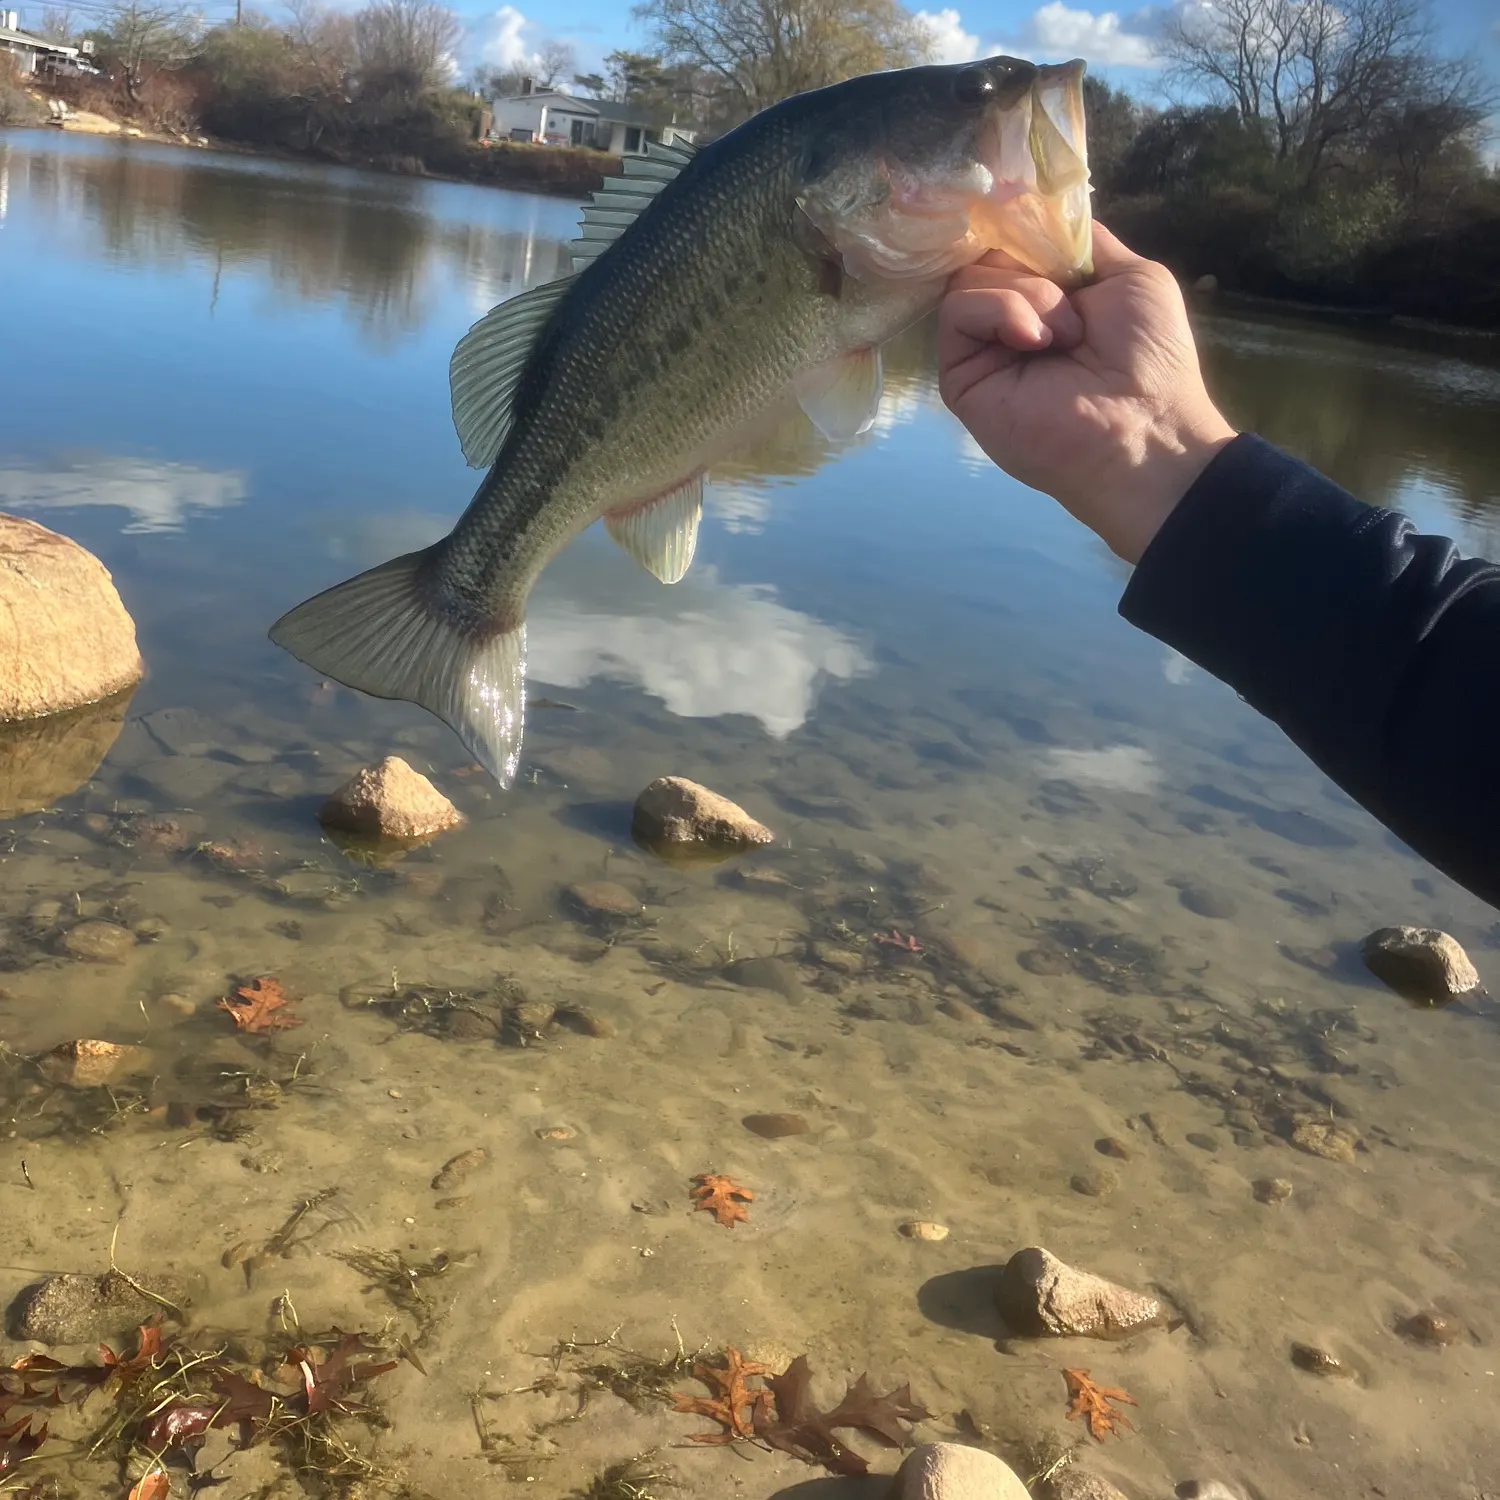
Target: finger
(1047,299)
(1111,254)
(994,315)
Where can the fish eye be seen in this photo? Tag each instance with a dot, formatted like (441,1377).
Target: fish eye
(973,86)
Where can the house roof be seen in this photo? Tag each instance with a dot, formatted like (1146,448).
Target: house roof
(36,43)
(623,114)
(553,97)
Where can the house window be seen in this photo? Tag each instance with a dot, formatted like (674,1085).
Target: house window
(632,139)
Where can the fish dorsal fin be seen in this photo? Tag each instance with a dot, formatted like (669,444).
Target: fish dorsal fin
(842,397)
(486,368)
(661,534)
(620,201)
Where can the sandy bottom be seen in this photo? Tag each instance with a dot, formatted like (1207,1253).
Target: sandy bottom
(1066,991)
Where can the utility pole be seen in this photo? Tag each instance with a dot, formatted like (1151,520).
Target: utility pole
(237,5)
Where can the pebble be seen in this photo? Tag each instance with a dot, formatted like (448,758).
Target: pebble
(556,1133)
(1207,901)
(98,942)
(1097,1182)
(581,1019)
(840,960)
(1271,1189)
(1434,1329)
(1319,1361)
(774,1126)
(44,914)
(603,898)
(1319,1138)
(675,812)
(150,929)
(764,974)
(1202,1140)
(457,1202)
(960,1010)
(390,801)
(924,1229)
(532,1015)
(180,1003)
(456,1168)
(1107,1145)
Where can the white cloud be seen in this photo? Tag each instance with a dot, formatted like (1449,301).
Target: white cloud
(950,42)
(159,497)
(502,39)
(1056,33)
(737,507)
(1123,768)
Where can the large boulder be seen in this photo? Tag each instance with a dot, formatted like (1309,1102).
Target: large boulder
(950,1471)
(389,801)
(65,638)
(1422,964)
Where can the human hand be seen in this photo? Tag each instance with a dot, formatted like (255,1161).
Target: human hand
(1095,399)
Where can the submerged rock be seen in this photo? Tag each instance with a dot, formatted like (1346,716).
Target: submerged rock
(98,942)
(389,801)
(1039,1295)
(1073,1483)
(603,898)
(1331,1142)
(65,638)
(950,1471)
(87,1064)
(1434,1329)
(1421,964)
(674,815)
(74,1309)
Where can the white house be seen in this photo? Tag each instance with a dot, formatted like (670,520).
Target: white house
(35,54)
(548,117)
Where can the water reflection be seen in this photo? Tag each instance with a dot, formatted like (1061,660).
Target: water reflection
(157,496)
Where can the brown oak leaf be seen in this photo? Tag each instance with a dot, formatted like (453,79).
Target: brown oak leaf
(735,1405)
(724,1198)
(260,1007)
(1092,1403)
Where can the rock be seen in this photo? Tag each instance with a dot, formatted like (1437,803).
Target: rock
(1318,1361)
(840,960)
(950,1471)
(1207,901)
(773,1127)
(1208,283)
(1073,1483)
(45,760)
(1319,1138)
(65,638)
(603,898)
(1097,1182)
(456,1168)
(924,1229)
(674,815)
(1202,1140)
(1433,1329)
(1271,1189)
(556,1133)
(98,942)
(74,1309)
(1040,1295)
(1108,1145)
(1420,964)
(764,974)
(87,1064)
(389,801)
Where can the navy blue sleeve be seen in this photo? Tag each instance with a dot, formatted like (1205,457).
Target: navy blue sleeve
(1373,646)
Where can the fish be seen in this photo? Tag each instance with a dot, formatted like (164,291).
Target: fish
(709,287)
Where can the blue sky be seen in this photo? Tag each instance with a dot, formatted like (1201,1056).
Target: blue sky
(1115,43)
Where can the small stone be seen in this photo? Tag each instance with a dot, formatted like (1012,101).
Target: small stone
(1420,964)
(77,1309)
(556,1133)
(674,813)
(960,1010)
(1202,1140)
(1207,901)
(950,1471)
(456,1168)
(180,1003)
(98,942)
(1319,1138)
(1271,1189)
(1107,1145)
(603,898)
(1074,1483)
(764,974)
(1097,1182)
(1434,1329)
(531,1016)
(389,801)
(1040,1295)
(581,1019)
(840,960)
(150,930)
(41,915)
(1318,1361)
(924,1229)
(773,1127)
(91,1064)
(1207,284)
(455,1202)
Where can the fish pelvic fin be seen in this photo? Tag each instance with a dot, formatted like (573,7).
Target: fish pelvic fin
(386,634)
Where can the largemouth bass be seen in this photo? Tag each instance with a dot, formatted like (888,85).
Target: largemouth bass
(709,287)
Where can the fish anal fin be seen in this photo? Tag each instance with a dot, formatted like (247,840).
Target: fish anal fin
(661,534)
(487,364)
(384,633)
(842,397)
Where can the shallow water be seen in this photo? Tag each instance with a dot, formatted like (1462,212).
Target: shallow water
(228,379)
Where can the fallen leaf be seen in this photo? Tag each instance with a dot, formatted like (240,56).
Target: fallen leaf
(734,1406)
(152,1486)
(19,1441)
(724,1198)
(1091,1402)
(260,1007)
(328,1378)
(177,1426)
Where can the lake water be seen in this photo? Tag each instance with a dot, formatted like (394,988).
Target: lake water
(227,378)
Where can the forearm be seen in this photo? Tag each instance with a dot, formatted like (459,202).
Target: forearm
(1374,648)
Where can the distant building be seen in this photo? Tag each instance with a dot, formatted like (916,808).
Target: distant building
(548,117)
(35,54)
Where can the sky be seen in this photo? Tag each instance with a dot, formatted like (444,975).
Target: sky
(1115,43)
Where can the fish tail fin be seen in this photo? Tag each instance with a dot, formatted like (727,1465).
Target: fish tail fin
(386,632)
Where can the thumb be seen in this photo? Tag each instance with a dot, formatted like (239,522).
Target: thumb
(1111,254)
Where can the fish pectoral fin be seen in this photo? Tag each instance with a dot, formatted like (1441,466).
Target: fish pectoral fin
(382,634)
(842,398)
(661,534)
(487,364)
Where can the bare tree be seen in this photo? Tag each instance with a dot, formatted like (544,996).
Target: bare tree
(767,50)
(149,34)
(404,48)
(555,61)
(324,56)
(1317,75)
(57,24)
